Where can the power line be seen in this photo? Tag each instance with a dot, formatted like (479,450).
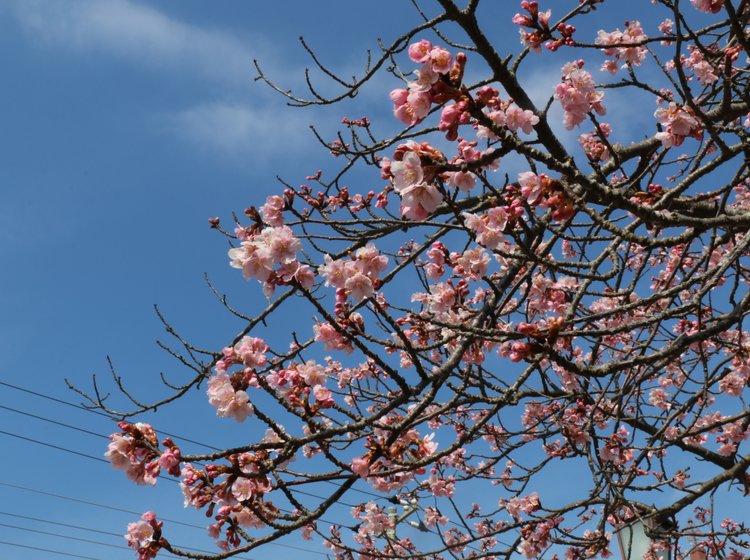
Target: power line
(68,537)
(71,427)
(119,535)
(97,412)
(60,524)
(28,547)
(77,406)
(110,545)
(121,510)
(101,460)
(53,446)
(90,503)
(51,421)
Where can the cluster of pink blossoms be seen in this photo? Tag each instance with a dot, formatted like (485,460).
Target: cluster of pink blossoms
(298,382)
(232,493)
(593,145)
(271,257)
(535,537)
(135,451)
(380,465)
(679,123)
(419,198)
(143,536)
(702,69)
(464,181)
(488,227)
(538,22)
(412,106)
(632,54)
(513,118)
(228,393)
(577,94)
(359,275)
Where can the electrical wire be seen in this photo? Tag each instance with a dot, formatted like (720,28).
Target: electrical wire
(95,458)
(53,446)
(29,547)
(99,459)
(67,537)
(98,412)
(69,426)
(110,545)
(51,421)
(174,436)
(60,524)
(90,503)
(121,510)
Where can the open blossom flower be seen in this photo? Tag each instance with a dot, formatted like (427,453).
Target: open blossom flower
(632,35)
(678,123)
(577,94)
(432,517)
(498,117)
(360,286)
(331,338)
(257,256)
(252,351)
(418,198)
(462,180)
(517,118)
(357,276)
(531,186)
(440,60)
(489,227)
(708,6)
(142,536)
(411,107)
(271,210)
(228,402)
(407,172)
(132,452)
(703,70)
(253,259)
(419,201)
(472,264)
(244,488)
(420,51)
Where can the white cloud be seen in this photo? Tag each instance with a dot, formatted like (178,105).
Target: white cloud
(242,132)
(238,123)
(138,33)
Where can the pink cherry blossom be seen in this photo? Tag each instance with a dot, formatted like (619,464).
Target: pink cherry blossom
(531,186)
(228,401)
(517,118)
(440,60)
(708,6)
(407,172)
(577,94)
(420,51)
(678,123)
(419,201)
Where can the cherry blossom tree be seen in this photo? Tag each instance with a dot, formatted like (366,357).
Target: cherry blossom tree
(521,292)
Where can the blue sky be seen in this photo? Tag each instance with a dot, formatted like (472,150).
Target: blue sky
(127,125)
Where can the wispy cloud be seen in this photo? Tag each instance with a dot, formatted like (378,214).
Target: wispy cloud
(137,33)
(236,122)
(241,132)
